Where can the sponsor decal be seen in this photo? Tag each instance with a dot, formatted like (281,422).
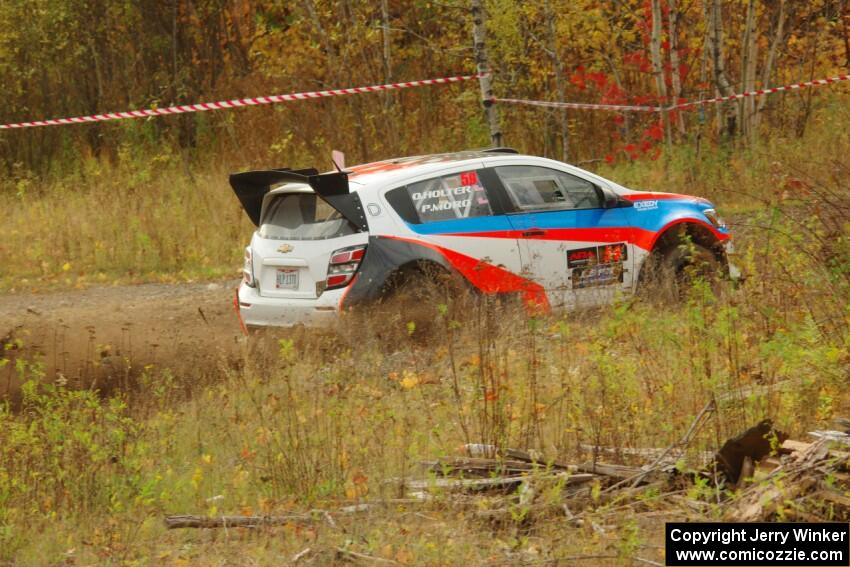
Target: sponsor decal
(447,197)
(605,254)
(597,265)
(468,178)
(443,192)
(582,257)
(598,275)
(610,253)
(647,205)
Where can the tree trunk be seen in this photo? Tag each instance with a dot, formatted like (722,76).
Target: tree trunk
(389,97)
(552,38)
(479,39)
(748,57)
(767,71)
(385,27)
(676,80)
(721,82)
(842,9)
(658,63)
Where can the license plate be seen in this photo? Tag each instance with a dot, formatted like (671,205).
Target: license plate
(287,279)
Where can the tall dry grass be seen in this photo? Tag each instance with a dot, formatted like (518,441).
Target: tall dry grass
(304,420)
(318,420)
(146,219)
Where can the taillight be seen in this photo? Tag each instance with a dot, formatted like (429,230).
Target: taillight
(248,269)
(343,265)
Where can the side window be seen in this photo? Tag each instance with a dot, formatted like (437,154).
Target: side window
(534,188)
(449,197)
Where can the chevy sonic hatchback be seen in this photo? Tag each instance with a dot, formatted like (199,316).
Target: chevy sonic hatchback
(554,234)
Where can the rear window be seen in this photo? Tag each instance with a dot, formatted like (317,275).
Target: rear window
(302,216)
(449,197)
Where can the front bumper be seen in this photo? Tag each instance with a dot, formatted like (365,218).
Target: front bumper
(259,311)
(734,271)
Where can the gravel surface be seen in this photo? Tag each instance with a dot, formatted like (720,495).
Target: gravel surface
(78,333)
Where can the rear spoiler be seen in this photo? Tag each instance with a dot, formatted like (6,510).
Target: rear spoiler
(252,186)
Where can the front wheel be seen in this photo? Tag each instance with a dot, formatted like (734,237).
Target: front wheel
(669,275)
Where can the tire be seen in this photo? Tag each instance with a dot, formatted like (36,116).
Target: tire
(412,303)
(669,274)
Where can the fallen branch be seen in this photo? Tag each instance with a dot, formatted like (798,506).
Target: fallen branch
(479,466)
(300,555)
(345,554)
(605,469)
(643,452)
(188,521)
(488,483)
(834,436)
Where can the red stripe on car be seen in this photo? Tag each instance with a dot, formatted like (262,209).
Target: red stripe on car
(487,277)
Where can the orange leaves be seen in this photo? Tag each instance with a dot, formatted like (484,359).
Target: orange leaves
(357,486)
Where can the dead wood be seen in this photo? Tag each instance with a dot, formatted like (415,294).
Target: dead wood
(793,447)
(353,556)
(843,423)
(834,497)
(188,521)
(313,516)
(479,466)
(761,501)
(754,443)
(477,484)
(748,468)
(609,470)
(300,555)
(835,436)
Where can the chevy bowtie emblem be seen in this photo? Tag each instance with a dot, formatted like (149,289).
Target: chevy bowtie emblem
(285,249)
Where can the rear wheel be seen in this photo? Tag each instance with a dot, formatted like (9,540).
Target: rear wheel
(414,300)
(669,274)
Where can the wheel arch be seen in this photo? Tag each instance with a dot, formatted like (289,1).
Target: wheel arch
(681,231)
(413,270)
(390,258)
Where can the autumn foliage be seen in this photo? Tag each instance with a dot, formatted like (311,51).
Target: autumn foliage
(77,57)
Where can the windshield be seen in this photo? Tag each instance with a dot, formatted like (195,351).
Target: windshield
(302,216)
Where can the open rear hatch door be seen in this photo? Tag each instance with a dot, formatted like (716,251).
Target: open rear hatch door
(251,187)
(302,227)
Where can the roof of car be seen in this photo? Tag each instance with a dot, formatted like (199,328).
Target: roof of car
(414,165)
(380,174)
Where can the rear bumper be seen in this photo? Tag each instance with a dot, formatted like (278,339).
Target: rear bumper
(259,311)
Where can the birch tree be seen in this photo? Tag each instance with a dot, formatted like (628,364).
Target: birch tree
(479,41)
(658,62)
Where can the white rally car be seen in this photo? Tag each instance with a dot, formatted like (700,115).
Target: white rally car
(554,234)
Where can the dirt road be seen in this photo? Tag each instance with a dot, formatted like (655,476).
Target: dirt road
(90,336)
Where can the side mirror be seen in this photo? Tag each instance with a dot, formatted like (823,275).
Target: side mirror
(612,200)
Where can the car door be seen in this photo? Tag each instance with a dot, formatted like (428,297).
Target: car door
(569,243)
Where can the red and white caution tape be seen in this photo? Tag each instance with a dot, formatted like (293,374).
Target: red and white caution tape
(578,105)
(680,106)
(205,106)
(795,86)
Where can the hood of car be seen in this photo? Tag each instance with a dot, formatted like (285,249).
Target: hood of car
(638,196)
